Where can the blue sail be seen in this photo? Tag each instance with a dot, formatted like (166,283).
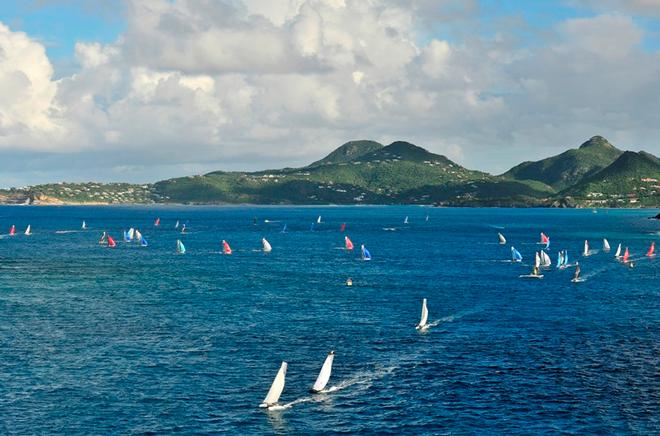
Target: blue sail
(560,259)
(311,228)
(143,241)
(284,229)
(365,253)
(547,245)
(126,238)
(515,255)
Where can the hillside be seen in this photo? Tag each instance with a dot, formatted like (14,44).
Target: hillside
(566,169)
(632,179)
(348,175)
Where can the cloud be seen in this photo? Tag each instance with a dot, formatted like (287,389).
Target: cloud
(198,85)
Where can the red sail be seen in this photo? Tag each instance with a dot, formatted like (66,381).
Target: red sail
(544,238)
(111,242)
(157,222)
(226,249)
(626,255)
(343,227)
(12,231)
(651,251)
(349,244)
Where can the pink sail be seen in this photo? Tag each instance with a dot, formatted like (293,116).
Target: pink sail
(226,249)
(348,243)
(651,251)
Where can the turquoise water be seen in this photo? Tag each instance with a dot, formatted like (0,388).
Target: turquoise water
(141,340)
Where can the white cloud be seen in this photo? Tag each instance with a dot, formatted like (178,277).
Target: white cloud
(203,85)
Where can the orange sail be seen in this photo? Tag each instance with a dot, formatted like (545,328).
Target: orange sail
(349,244)
(626,255)
(226,249)
(651,251)
(544,238)
(111,242)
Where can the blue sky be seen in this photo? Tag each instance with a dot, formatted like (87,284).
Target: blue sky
(191,86)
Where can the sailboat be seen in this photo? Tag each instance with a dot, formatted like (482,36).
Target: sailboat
(651,251)
(226,249)
(324,375)
(348,243)
(535,272)
(276,388)
(12,230)
(544,239)
(618,251)
(104,238)
(547,244)
(138,236)
(28,230)
(183,229)
(84,225)
(311,228)
(405,221)
(515,255)
(560,259)
(318,220)
(606,245)
(626,255)
(126,237)
(180,248)
(111,242)
(343,227)
(426,219)
(424,318)
(157,222)
(502,238)
(576,277)
(283,229)
(176,226)
(266,245)
(365,253)
(545,259)
(143,242)
(585,252)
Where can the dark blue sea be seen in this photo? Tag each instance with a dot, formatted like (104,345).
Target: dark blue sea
(140,340)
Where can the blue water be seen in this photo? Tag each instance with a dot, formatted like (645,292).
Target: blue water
(141,340)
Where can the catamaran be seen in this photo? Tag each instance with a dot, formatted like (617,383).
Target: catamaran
(618,251)
(348,243)
(545,259)
(606,245)
(502,238)
(265,245)
(12,230)
(180,248)
(515,255)
(651,251)
(424,318)
(365,253)
(28,230)
(226,249)
(276,388)
(324,375)
(111,242)
(585,252)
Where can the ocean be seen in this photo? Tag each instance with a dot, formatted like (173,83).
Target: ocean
(140,340)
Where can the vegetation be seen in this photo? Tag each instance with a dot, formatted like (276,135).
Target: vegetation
(596,174)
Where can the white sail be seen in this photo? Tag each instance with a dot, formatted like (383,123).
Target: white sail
(276,388)
(618,251)
(131,233)
(405,221)
(318,220)
(537,260)
(176,226)
(606,245)
(502,238)
(266,245)
(28,230)
(84,225)
(545,259)
(324,375)
(586,248)
(425,316)
(138,235)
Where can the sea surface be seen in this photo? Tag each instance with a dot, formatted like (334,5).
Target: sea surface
(140,340)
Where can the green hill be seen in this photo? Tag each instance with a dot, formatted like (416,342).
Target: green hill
(634,178)
(569,167)
(348,152)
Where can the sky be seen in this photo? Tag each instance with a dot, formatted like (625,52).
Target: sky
(144,90)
